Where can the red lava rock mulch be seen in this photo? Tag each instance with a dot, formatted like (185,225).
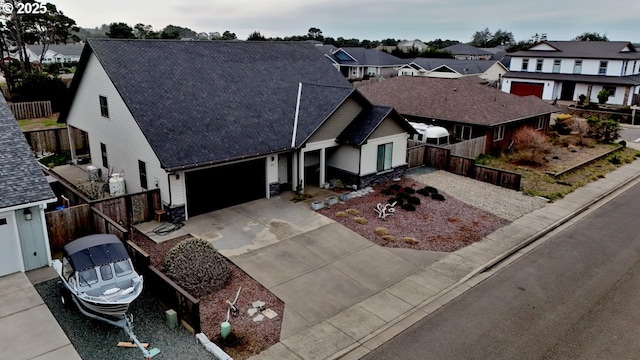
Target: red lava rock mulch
(435,225)
(248,337)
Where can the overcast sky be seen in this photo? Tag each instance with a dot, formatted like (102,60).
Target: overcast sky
(371,19)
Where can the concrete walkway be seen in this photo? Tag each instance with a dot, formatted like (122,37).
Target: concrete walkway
(28,330)
(370,322)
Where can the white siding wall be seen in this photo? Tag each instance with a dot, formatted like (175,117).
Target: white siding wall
(494,73)
(272,169)
(370,152)
(123,138)
(346,158)
(589,66)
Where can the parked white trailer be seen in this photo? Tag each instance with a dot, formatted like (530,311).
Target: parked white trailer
(431,134)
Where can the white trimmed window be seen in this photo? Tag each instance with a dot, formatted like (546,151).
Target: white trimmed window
(498,133)
(602,70)
(577,67)
(385,155)
(525,64)
(556,66)
(540,123)
(104,107)
(539,63)
(462,132)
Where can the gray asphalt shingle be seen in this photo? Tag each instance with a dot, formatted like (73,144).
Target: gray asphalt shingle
(584,50)
(204,102)
(21,178)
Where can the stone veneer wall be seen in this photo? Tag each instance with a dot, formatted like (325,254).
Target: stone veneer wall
(367,180)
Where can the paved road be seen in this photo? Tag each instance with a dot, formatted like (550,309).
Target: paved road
(574,296)
(630,133)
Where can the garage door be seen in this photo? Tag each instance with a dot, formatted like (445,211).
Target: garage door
(10,253)
(526,89)
(224,186)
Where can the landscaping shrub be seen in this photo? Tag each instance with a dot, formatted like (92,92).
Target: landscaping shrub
(603,130)
(403,195)
(386,191)
(360,220)
(431,189)
(410,240)
(398,201)
(603,96)
(341,214)
(622,143)
(563,124)
(380,231)
(530,145)
(437,196)
(615,160)
(352,211)
(197,267)
(395,187)
(408,207)
(388,238)
(413,200)
(423,192)
(409,190)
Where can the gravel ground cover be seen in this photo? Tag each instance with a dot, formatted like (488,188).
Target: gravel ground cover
(96,340)
(505,203)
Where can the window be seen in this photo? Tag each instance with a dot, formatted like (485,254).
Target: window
(539,65)
(602,70)
(103,151)
(122,267)
(105,272)
(3,221)
(611,90)
(462,132)
(498,133)
(556,66)
(142,167)
(577,67)
(624,68)
(384,157)
(88,277)
(525,64)
(104,107)
(540,123)
(371,71)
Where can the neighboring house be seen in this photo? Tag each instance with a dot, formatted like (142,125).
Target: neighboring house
(406,45)
(24,242)
(464,106)
(54,54)
(565,70)
(357,63)
(468,52)
(227,122)
(489,70)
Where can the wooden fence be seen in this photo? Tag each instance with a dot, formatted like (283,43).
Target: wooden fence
(469,148)
(55,140)
(415,153)
(31,110)
(443,159)
(68,224)
(168,292)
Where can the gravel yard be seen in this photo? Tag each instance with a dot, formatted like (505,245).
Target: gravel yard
(505,203)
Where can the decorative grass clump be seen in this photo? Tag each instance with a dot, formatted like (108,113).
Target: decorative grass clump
(409,207)
(352,212)
(197,267)
(380,231)
(341,214)
(413,200)
(395,187)
(388,238)
(402,195)
(360,220)
(410,240)
(431,189)
(398,201)
(437,196)
(409,190)
(423,192)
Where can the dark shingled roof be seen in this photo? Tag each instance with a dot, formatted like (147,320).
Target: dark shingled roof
(460,66)
(584,50)
(358,131)
(462,100)
(632,80)
(21,178)
(465,49)
(368,57)
(205,102)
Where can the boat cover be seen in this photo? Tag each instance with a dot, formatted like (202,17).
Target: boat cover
(95,250)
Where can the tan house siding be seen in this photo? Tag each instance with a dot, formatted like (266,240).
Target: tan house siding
(387,128)
(337,122)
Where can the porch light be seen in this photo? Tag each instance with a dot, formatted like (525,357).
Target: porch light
(27,214)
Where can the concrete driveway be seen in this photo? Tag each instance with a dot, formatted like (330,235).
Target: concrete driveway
(315,265)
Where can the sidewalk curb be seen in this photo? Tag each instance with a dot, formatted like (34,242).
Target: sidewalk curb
(358,349)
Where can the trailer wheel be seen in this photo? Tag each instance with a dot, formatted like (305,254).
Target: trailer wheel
(65,295)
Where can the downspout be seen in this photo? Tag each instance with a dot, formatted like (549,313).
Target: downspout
(295,130)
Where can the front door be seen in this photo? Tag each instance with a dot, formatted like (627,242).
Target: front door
(568,88)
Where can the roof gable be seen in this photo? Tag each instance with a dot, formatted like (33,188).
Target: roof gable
(21,177)
(366,123)
(465,49)
(203,102)
(463,100)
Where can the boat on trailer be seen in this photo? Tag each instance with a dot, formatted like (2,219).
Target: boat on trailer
(96,273)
